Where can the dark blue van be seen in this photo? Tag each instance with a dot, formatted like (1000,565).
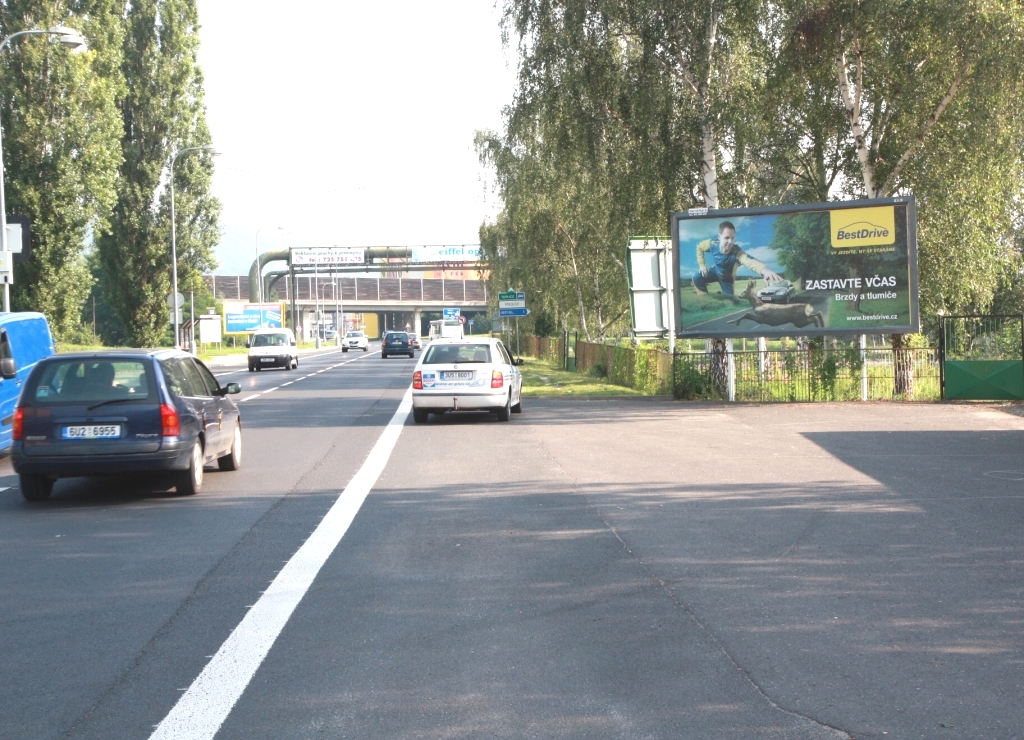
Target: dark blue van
(24,340)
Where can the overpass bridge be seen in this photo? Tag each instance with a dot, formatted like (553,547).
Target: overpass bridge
(395,301)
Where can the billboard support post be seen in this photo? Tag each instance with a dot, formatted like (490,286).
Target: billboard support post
(863,367)
(762,352)
(731,365)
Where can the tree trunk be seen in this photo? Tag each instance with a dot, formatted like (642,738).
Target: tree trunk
(719,369)
(903,366)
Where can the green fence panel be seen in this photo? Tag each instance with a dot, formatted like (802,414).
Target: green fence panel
(988,380)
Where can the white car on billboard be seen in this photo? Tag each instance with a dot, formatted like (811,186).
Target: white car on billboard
(466,375)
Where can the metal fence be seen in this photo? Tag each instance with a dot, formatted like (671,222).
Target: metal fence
(808,375)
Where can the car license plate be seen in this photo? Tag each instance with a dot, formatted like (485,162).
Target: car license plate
(457,375)
(266,359)
(92,431)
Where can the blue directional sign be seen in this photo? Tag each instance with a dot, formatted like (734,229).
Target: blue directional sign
(513,312)
(452,314)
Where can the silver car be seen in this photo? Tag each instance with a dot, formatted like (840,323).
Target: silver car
(779,292)
(466,375)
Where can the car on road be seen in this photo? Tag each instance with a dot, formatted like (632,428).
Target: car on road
(466,375)
(272,348)
(96,413)
(396,343)
(414,340)
(780,292)
(355,340)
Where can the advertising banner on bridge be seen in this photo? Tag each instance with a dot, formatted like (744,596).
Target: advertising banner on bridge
(451,253)
(244,317)
(328,256)
(815,269)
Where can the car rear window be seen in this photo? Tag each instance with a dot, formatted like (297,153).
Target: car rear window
(270,340)
(93,381)
(444,354)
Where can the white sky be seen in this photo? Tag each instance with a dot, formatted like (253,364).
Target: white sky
(354,126)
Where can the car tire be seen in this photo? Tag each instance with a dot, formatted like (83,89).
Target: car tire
(252,369)
(518,408)
(383,356)
(420,416)
(35,487)
(344,349)
(233,460)
(505,412)
(258,368)
(411,355)
(365,348)
(190,481)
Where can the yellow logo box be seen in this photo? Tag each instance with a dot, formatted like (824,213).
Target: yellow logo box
(863,227)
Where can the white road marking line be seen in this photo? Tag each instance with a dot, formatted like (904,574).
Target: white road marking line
(5,488)
(201,711)
(288,383)
(249,398)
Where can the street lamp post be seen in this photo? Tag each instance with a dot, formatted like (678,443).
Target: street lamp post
(74,41)
(174,243)
(316,296)
(334,292)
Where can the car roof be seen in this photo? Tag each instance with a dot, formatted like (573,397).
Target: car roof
(119,353)
(465,340)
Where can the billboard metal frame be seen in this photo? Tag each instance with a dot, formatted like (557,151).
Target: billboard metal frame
(703,213)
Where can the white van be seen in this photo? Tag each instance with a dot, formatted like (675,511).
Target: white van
(446,329)
(272,348)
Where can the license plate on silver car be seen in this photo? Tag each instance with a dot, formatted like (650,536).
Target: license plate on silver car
(266,359)
(92,431)
(456,375)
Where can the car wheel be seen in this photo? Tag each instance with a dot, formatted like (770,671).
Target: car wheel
(518,408)
(35,487)
(344,349)
(411,355)
(420,416)
(505,412)
(252,369)
(190,481)
(365,348)
(383,356)
(258,368)
(233,460)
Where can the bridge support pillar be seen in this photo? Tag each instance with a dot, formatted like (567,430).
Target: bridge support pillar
(417,325)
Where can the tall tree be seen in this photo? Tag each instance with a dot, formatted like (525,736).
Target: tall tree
(162,112)
(60,140)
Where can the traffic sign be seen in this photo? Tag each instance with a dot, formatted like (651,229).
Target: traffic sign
(512,304)
(452,314)
(509,296)
(170,301)
(462,319)
(513,312)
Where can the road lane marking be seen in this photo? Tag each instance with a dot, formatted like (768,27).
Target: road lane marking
(202,709)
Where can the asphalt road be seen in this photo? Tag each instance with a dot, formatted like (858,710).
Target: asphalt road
(611,569)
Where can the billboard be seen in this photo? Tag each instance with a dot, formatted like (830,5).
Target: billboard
(816,269)
(242,317)
(328,256)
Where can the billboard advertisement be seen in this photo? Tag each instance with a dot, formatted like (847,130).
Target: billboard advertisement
(328,256)
(243,317)
(455,253)
(816,269)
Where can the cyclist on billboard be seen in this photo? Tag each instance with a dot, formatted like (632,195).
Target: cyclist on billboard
(726,259)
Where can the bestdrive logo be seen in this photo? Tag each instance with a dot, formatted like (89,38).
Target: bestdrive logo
(863,227)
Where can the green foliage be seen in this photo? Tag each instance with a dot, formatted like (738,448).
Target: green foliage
(60,132)
(162,112)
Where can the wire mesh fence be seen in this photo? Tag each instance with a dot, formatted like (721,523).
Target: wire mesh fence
(814,374)
(972,338)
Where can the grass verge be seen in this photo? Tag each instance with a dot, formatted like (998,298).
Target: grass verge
(540,379)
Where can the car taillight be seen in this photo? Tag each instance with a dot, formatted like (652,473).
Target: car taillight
(169,421)
(19,424)
(497,379)
(417,380)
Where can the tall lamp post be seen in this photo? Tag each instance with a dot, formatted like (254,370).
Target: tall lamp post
(259,270)
(323,299)
(73,40)
(174,243)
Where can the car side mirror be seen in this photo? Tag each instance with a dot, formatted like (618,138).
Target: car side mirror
(232,388)
(293,342)
(520,361)
(8,368)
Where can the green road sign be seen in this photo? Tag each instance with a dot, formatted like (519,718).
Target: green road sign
(510,296)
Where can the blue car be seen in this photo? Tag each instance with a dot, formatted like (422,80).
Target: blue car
(24,340)
(96,413)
